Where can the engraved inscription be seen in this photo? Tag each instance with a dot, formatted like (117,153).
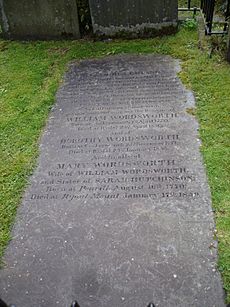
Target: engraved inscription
(121,141)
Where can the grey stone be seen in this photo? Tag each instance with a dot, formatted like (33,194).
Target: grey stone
(42,19)
(118,211)
(228,44)
(140,17)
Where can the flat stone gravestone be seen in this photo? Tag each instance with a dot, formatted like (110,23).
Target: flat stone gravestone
(118,210)
(133,17)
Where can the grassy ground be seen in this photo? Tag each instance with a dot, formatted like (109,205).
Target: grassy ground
(184,3)
(30,74)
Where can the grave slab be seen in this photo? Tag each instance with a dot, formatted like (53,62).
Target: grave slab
(118,210)
(133,17)
(39,19)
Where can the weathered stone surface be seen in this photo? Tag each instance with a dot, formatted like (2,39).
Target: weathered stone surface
(118,210)
(39,19)
(228,44)
(111,17)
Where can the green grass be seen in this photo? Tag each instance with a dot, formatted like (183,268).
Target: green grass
(30,75)
(184,3)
